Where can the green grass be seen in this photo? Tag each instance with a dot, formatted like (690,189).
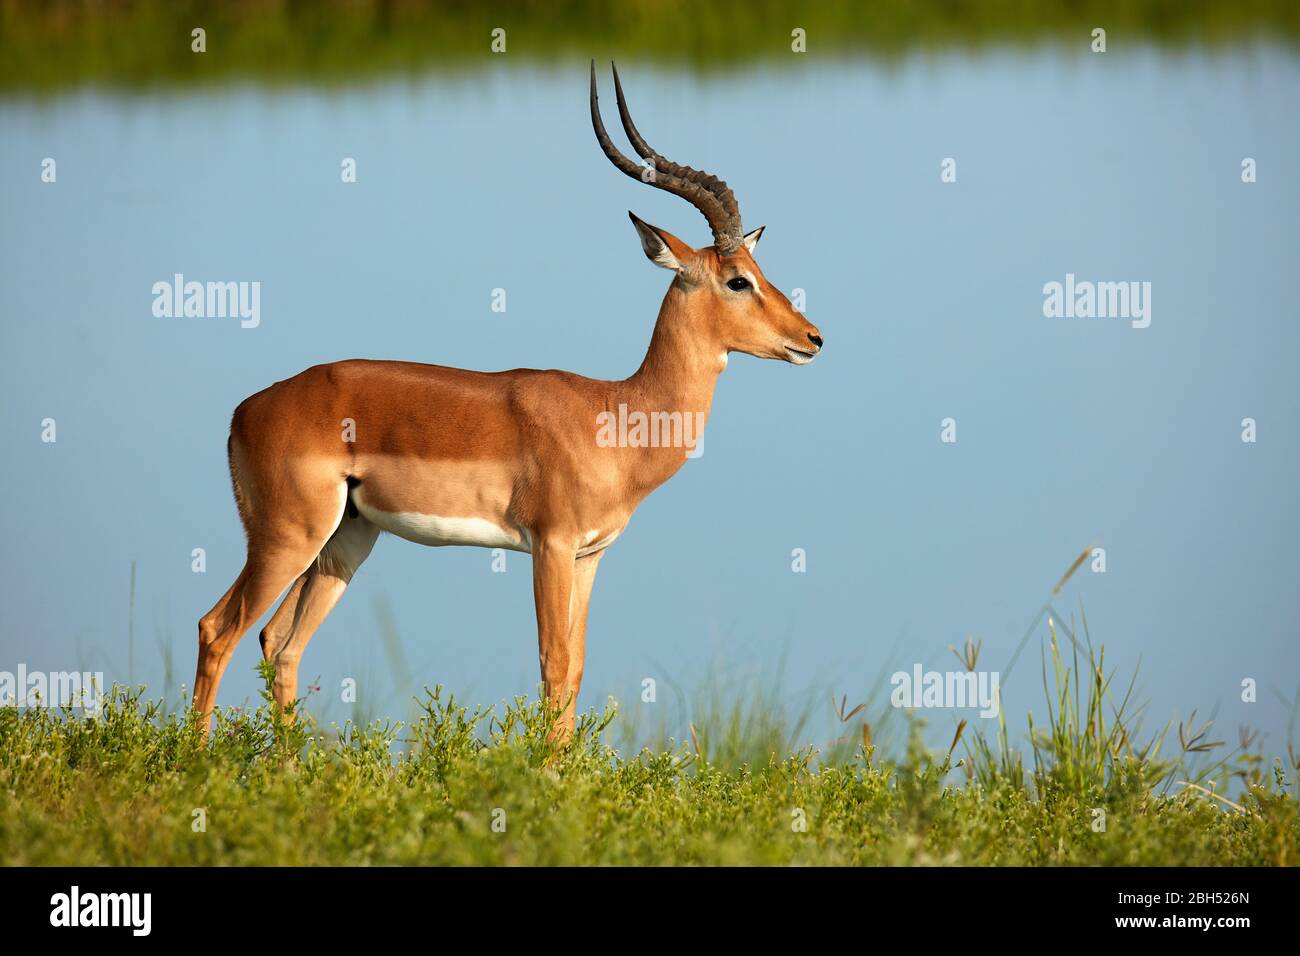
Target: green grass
(128,788)
(53,45)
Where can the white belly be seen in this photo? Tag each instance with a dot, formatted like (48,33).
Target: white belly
(441,530)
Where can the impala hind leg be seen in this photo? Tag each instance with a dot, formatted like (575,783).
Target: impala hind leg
(277,629)
(313,597)
(277,554)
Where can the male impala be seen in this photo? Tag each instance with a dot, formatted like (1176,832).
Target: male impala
(443,456)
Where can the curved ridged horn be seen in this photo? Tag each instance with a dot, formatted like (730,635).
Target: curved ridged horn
(665,165)
(705,192)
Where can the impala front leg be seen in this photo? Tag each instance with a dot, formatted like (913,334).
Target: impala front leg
(553,589)
(584,576)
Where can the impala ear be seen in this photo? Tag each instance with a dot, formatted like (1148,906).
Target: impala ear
(661,247)
(751,238)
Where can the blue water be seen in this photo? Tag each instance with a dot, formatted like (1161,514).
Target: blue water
(1070,432)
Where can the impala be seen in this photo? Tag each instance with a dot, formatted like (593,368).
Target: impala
(324,461)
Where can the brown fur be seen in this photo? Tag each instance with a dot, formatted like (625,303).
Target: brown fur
(515,448)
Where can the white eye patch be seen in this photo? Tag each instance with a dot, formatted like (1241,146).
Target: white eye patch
(752,283)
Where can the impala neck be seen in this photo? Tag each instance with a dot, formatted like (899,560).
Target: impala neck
(683,362)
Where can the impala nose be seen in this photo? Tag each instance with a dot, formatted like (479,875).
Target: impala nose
(815,339)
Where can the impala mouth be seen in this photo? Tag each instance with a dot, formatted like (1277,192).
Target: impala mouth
(799,356)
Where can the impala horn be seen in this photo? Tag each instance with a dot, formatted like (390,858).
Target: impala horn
(707,193)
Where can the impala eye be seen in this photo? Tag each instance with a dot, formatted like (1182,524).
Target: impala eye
(738,284)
